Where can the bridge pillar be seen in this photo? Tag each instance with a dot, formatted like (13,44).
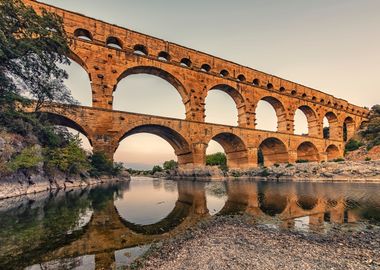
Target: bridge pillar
(292,156)
(104,144)
(199,154)
(252,153)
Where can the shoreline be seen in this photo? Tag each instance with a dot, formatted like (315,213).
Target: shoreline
(235,242)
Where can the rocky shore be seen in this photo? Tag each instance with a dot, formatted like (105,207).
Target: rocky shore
(20,184)
(344,171)
(237,243)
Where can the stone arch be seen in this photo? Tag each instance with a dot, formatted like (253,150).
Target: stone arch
(235,149)
(279,110)
(348,128)
(84,34)
(237,98)
(332,152)
(114,42)
(333,129)
(163,74)
(61,120)
(140,49)
(307,202)
(271,203)
(180,145)
(164,56)
(312,120)
(307,151)
(273,151)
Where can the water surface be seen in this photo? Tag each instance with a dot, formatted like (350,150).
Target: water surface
(111,225)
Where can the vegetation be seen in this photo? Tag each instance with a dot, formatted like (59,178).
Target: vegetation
(217,159)
(170,165)
(371,129)
(353,145)
(339,160)
(32,48)
(302,161)
(156,168)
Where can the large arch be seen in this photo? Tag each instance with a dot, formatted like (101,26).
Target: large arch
(332,152)
(235,149)
(180,145)
(236,97)
(163,74)
(348,128)
(273,151)
(307,151)
(333,127)
(312,120)
(279,109)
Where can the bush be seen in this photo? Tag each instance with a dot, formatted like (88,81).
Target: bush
(71,159)
(302,161)
(156,168)
(289,165)
(276,165)
(339,160)
(29,158)
(170,165)
(368,159)
(101,165)
(217,159)
(353,145)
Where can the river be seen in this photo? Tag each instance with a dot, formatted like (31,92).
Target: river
(115,223)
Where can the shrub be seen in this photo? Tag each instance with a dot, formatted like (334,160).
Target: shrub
(156,168)
(101,165)
(216,159)
(276,165)
(289,165)
(353,145)
(339,159)
(302,161)
(29,158)
(368,159)
(170,165)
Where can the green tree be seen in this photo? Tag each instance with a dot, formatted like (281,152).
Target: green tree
(170,165)
(31,48)
(156,168)
(371,129)
(217,159)
(101,165)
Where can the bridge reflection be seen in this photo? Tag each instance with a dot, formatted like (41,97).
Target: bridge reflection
(100,230)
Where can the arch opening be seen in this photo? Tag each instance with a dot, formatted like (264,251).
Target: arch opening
(181,147)
(272,151)
(141,89)
(270,115)
(224,73)
(241,78)
(332,152)
(83,34)
(306,122)
(224,109)
(186,62)
(330,126)
(114,42)
(307,151)
(348,128)
(164,56)
(256,82)
(234,148)
(206,68)
(140,49)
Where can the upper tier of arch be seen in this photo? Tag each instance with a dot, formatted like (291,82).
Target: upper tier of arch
(100,33)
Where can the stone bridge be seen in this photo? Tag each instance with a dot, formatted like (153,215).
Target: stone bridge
(110,53)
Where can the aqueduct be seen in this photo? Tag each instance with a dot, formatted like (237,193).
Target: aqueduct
(110,53)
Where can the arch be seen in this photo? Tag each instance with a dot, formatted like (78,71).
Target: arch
(205,68)
(307,202)
(235,149)
(83,34)
(60,120)
(273,151)
(312,121)
(224,73)
(332,152)
(307,151)
(159,73)
(332,132)
(282,89)
(241,78)
(270,86)
(186,62)
(256,82)
(140,49)
(163,56)
(279,110)
(176,140)
(348,128)
(236,97)
(272,204)
(114,42)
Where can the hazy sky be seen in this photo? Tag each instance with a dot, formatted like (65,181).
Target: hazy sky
(330,45)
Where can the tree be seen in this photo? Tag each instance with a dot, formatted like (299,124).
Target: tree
(217,159)
(371,129)
(31,48)
(170,165)
(156,168)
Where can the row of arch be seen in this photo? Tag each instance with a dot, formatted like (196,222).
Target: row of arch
(141,49)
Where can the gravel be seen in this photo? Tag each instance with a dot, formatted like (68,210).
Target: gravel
(237,243)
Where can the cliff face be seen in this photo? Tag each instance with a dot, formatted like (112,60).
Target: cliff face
(363,154)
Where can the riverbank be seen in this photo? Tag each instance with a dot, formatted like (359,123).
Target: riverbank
(236,243)
(340,171)
(20,184)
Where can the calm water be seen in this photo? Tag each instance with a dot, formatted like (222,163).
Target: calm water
(112,225)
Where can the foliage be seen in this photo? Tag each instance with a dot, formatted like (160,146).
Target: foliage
(353,145)
(170,165)
(217,159)
(101,165)
(31,48)
(371,129)
(156,168)
(70,159)
(368,159)
(29,158)
(289,165)
(302,161)
(339,160)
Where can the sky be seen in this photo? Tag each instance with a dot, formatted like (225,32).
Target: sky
(329,45)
